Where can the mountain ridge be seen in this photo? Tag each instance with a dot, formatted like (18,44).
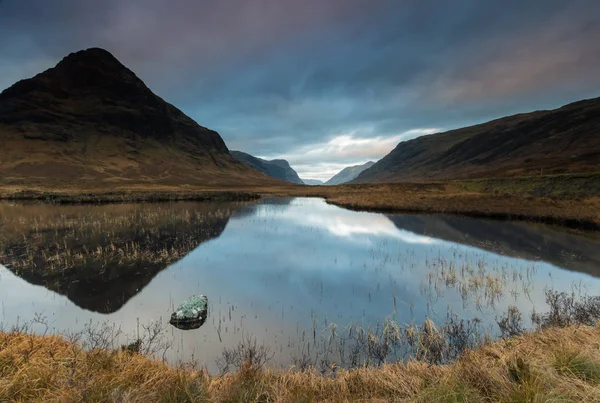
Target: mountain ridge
(91,122)
(277,168)
(313,182)
(563,140)
(349,173)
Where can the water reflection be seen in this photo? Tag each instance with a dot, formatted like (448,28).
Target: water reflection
(285,271)
(101,256)
(564,248)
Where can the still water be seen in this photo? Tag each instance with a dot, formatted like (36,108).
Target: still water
(282,270)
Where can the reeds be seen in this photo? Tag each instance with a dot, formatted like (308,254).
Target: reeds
(560,361)
(55,240)
(556,364)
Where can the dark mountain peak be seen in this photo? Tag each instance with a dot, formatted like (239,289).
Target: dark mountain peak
(91,71)
(99,120)
(90,57)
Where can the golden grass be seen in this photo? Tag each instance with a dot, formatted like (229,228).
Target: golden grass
(557,364)
(571,200)
(580,210)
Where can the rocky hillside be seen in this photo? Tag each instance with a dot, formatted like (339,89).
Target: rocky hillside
(91,123)
(279,169)
(560,141)
(349,173)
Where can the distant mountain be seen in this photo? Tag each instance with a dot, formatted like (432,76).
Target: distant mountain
(91,123)
(312,182)
(349,173)
(565,140)
(279,169)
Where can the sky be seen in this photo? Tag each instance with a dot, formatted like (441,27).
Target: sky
(324,83)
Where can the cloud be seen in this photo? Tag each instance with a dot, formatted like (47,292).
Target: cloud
(324,160)
(347,224)
(559,54)
(292,78)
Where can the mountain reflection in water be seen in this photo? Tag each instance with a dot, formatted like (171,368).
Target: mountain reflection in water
(561,247)
(101,256)
(279,269)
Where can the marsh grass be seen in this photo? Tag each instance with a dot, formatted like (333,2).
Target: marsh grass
(575,364)
(60,239)
(525,368)
(560,361)
(572,200)
(478,282)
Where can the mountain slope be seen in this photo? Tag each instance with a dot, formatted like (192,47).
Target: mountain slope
(349,173)
(279,169)
(93,123)
(565,140)
(312,182)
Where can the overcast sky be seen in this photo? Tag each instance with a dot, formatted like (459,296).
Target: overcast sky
(324,83)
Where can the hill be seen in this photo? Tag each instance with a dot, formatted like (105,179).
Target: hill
(312,182)
(279,169)
(560,141)
(91,123)
(349,173)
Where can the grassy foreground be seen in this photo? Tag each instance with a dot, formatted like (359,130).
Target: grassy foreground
(556,364)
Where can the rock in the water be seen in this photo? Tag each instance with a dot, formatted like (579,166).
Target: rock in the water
(191,314)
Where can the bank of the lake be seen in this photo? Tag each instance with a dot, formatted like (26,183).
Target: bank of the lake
(557,364)
(567,200)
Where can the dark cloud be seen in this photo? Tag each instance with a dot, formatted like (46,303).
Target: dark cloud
(277,76)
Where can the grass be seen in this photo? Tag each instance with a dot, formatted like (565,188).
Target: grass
(114,250)
(571,200)
(526,200)
(573,363)
(61,238)
(555,364)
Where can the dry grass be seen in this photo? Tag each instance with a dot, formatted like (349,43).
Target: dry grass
(544,200)
(557,364)
(570,200)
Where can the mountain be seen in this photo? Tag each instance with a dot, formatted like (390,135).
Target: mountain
(349,173)
(90,122)
(564,140)
(279,169)
(312,182)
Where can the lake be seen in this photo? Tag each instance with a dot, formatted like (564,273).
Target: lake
(287,272)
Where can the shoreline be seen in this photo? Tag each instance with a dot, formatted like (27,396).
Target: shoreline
(571,201)
(544,364)
(131,197)
(566,222)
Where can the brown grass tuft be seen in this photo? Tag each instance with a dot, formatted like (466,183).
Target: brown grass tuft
(557,364)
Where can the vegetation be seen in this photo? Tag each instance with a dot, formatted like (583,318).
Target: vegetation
(560,361)
(559,141)
(58,239)
(100,256)
(558,364)
(572,200)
